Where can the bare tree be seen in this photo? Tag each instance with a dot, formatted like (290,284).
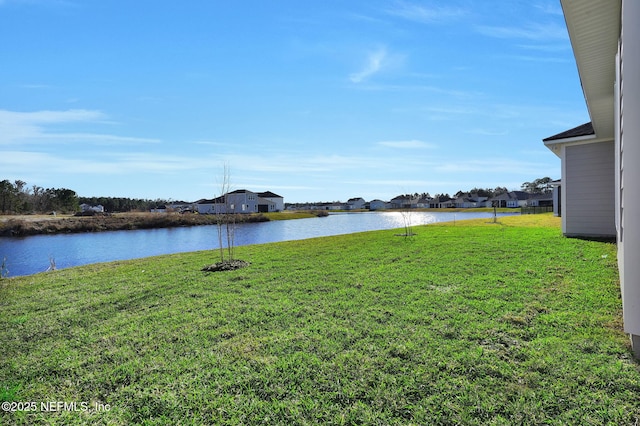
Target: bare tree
(221,210)
(224,210)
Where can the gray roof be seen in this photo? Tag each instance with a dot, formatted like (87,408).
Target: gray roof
(585,129)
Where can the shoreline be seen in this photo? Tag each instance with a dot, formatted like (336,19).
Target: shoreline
(28,225)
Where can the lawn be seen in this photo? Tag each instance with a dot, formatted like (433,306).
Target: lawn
(472,323)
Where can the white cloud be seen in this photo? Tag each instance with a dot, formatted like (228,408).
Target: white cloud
(375,62)
(33,127)
(409,144)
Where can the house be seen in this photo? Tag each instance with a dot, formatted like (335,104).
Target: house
(377,205)
(84,208)
(540,200)
(469,201)
(424,202)
(240,201)
(355,203)
(511,199)
(601,159)
(587,168)
(212,206)
(270,202)
(404,202)
(442,202)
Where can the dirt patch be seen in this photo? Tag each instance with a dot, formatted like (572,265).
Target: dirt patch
(227,265)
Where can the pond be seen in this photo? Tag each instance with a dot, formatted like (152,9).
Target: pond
(30,255)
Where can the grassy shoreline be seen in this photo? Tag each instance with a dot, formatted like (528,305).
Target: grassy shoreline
(466,323)
(25,225)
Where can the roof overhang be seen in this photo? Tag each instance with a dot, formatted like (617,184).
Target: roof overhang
(594,30)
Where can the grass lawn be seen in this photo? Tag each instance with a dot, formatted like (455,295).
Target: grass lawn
(471,323)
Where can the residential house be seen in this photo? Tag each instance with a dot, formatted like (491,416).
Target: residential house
(84,208)
(540,200)
(424,202)
(239,201)
(469,201)
(443,202)
(270,202)
(511,199)
(404,202)
(355,203)
(377,205)
(600,160)
(210,206)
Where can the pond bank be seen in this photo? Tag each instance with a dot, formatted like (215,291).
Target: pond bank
(22,226)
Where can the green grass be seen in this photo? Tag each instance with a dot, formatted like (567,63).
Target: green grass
(465,324)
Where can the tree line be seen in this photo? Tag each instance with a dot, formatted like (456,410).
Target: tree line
(19,198)
(537,186)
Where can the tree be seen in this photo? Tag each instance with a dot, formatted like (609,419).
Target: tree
(226,227)
(538,186)
(7,195)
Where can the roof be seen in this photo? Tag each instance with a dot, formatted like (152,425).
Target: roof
(268,194)
(594,30)
(513,195)
(585,129)
(241,191)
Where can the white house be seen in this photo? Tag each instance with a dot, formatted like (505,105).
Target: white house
(377,205)
(355,203)
(89,208)
(603,157)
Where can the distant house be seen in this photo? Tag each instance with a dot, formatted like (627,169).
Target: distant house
(469,201)
(424,202)
(84,208)
(270,202)
(159,209)
(511,199)
(540,200)
(404,202)
(377,205)
(211,206)
(442,202)
(355,203)
(241,201)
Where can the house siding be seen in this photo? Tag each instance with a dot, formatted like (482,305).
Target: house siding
(628,146)
(589,190)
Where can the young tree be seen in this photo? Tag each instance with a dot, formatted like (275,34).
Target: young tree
(226,227)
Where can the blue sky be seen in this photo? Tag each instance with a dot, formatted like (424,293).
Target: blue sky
(316,100)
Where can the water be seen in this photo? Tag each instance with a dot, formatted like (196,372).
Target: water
(30,255)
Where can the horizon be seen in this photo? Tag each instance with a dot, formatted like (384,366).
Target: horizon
(312,101)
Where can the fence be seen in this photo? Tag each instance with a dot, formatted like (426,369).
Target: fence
(536,210)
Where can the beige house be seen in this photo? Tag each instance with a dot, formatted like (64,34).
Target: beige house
(603,157)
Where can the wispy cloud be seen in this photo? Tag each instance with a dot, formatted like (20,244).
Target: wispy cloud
(535,31)
(409,144)
(425,14)
(549,8)
(374,63)
(34,127)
